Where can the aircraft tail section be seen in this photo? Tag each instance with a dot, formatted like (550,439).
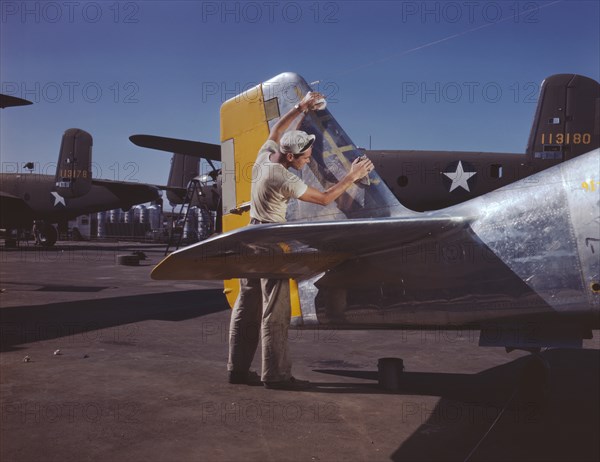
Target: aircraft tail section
(73,172)
(567,119)
(245,124)
(246,121)
(184,168)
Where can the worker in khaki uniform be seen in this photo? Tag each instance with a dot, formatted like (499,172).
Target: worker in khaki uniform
(263,306)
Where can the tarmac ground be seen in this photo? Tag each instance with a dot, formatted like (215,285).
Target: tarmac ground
(99,362)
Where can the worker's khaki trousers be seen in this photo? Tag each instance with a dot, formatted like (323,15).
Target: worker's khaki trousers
(261,309)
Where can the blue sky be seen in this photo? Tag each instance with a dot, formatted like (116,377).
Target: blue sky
(410,75)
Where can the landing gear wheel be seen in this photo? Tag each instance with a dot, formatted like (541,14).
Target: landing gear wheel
(48,235)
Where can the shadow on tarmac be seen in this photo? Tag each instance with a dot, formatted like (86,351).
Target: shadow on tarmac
(25,324)
(564,427)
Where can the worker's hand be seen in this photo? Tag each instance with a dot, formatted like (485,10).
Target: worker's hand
(311,101)
(361,167)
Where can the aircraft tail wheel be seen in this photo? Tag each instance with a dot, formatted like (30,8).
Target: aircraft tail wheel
(48,235)
(535,380)
(390,372)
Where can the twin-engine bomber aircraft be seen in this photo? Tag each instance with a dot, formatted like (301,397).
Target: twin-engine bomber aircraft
(520,263)
(71,192)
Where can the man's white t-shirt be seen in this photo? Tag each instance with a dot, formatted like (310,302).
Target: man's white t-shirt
(272,186)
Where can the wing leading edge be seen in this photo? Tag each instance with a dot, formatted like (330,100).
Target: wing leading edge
(298,250)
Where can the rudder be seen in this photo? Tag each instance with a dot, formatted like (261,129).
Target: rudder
(73,173)
(567,120)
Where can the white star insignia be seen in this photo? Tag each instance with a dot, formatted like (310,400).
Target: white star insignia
(459,178)
(58,199)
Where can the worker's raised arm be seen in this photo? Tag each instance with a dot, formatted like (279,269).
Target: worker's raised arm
(308,102)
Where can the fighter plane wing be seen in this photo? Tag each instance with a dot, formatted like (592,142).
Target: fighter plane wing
(298,249)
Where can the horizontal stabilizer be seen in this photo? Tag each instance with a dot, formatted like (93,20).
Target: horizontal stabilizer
(189,148)
(297,249)
(12,101)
